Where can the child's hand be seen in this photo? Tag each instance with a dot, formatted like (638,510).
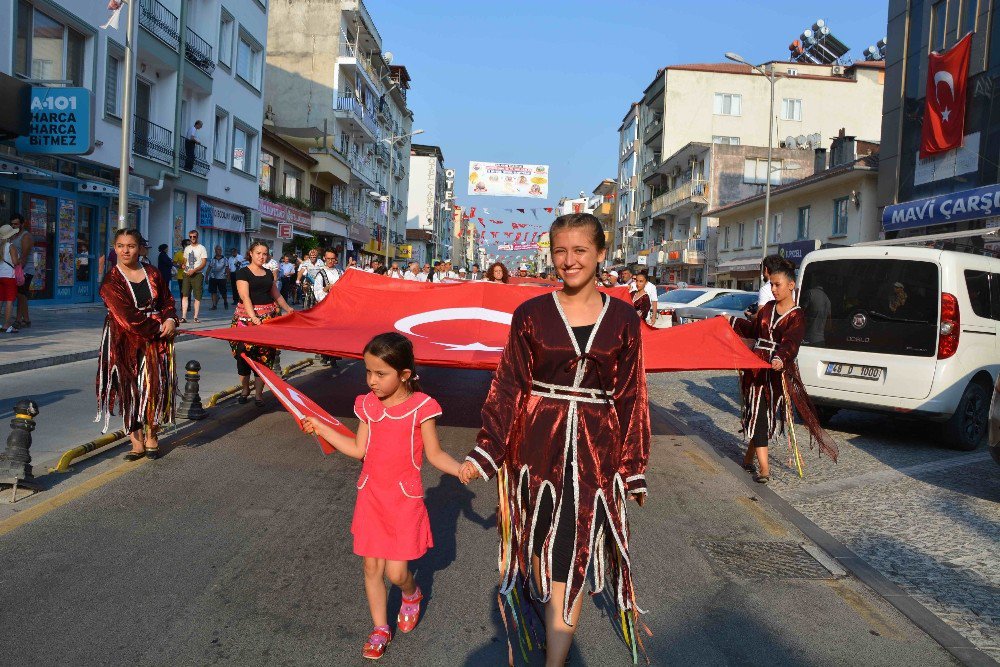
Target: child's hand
(777,364)
(308,426)
(468,473)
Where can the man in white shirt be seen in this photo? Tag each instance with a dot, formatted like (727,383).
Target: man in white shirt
(286,269)
(190,141)
(307,275)
(413,272)
(195,260)
(463,274)
(325,279)
(770,263)
(394,271)
(448,272)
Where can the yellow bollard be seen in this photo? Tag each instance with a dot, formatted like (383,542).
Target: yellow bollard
(298,365)
(86,448)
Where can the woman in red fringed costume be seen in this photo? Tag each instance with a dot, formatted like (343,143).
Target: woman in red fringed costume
(566,433)
(135,373)
(777,330)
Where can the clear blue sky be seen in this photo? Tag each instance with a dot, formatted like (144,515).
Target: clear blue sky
(548,81)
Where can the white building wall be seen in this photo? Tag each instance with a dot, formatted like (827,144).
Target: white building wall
(420,192)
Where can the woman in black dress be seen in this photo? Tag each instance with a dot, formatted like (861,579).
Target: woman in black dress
(257,300)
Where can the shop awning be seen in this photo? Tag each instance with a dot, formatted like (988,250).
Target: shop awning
(931,238)
(738,266)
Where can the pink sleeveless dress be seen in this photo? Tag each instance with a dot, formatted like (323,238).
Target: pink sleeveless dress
(390,518)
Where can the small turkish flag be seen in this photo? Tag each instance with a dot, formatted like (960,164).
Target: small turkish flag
(944,108)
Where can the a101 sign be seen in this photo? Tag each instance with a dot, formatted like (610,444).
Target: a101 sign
(62,122)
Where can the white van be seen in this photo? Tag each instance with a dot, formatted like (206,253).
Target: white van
(903,330)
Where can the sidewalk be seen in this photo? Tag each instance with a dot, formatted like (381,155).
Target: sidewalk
(62,334)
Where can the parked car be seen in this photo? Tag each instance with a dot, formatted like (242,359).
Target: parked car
(994,436)
(733,304)
(668,302)
(904,331)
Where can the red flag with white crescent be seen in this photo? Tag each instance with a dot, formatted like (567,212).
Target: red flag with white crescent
(298,404)
(944,105)
(464,325)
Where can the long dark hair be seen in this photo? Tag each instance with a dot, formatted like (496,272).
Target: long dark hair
(396,350)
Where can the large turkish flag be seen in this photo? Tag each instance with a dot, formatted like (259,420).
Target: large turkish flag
(465,325)
(944,108)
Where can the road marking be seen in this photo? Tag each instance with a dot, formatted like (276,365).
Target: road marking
(770,524)
(700,461)
(867,611)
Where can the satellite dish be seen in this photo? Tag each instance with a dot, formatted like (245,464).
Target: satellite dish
(815,139)
(800,140)
(387,57)
(790,142)
(806,35)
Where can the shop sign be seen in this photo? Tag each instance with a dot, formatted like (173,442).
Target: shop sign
(972,204)
(300,218)
(220,217)
(641,260)
(285,231)
(268,209)
(62,122)
(404,251)
(796,251)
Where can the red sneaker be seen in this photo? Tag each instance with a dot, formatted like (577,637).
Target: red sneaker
(409,612)
(377,641)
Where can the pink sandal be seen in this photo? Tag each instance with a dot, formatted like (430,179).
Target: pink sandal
(409,612)
(378,640)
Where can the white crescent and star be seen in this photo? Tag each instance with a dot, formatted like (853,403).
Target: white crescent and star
(405,325)
(945,77)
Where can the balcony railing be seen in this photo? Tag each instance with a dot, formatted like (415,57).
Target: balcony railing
(153,141)
(650,166)
(199,163)
(160,21)
(351,104)
(199,52)
(654,124)
(349,50)
(382,152)
(697,189)
(687,251)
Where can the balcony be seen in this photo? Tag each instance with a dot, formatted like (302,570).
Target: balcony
(649,169)
(160,22)
(153,141)
(689,252)
(198,164)
(694,193)
(627,147)
(349,55)
(350,107)
(652,129)
(199,52)
(382,152)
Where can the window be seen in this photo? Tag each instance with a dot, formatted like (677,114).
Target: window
(732,141)
(244,148)
(221,135)
(978,285)
(46,49)
(967,17)
(775,228)
(226,26)
(293,182)
(758,232)
(725,238)
(267,178)
(248,60)
(939,24)
(803,223)
(755,171)
(840,216)
(318,198)
(728,104)
(113,82)
(740,233)
(791,109)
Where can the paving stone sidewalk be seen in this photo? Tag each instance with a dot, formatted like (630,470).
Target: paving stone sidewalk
(926,517)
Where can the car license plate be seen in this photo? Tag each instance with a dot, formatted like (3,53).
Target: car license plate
(854,371)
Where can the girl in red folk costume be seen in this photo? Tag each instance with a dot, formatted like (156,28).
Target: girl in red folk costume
(135,372)
(566,433)
(778,329)
(391,526)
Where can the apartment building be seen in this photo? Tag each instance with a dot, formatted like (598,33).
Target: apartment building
(431,226)
(961,177)
(330,81)
(191,60)
(727,104)
(626,220)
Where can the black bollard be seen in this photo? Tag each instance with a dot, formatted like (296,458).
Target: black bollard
(190,407)
(15,462)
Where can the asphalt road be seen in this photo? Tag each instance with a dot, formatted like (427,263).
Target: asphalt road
(235,548)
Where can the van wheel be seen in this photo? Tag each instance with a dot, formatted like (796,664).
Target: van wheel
(966,429)
(825,414)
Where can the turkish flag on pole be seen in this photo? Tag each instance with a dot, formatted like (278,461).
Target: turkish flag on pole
(297,403)
(944,109)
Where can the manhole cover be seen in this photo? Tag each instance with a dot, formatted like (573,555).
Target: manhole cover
(765,560)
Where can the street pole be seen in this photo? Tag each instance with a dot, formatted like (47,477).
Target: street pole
(770,149)
(388,200)
(126,118)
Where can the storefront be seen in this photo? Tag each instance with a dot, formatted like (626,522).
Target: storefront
(220,225)
(273,216)
(743,274)
(954,221)
(332,234)
(796,251)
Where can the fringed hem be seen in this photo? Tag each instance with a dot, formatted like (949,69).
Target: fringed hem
(147,401)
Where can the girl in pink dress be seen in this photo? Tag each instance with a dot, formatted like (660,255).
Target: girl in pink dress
(390,525)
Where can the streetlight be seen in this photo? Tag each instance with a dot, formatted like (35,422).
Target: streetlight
(387,198)
(771,78)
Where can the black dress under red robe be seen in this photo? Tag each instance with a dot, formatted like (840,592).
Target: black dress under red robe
(136,374)
(551,402)
(777,336)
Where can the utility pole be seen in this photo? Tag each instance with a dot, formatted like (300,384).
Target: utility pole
(123,169)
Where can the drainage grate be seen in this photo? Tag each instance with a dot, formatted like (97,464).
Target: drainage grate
(765,560)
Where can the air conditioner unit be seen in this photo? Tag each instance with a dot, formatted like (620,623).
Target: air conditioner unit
(837,70)
(253,221)
(136,185)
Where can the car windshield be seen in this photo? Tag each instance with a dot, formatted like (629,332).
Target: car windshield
(734,301)
(889,306)
(683,295)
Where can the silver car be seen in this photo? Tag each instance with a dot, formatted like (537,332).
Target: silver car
(732,304)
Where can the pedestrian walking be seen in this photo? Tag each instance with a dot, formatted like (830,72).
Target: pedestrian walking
(326,277)
(778,329)
(649,288)
(306,277)
(413,272)
(566,432)
(25,244)
(136,371)
(497,273)
(10,262)
(258,301)
(193,283)
(286,274)
(165,263)
(218,277)
(640,298)
(391,526)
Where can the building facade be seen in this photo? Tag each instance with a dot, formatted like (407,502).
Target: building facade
(430,228)
(626,213)
(190,61)
(962,175)
(330,81)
